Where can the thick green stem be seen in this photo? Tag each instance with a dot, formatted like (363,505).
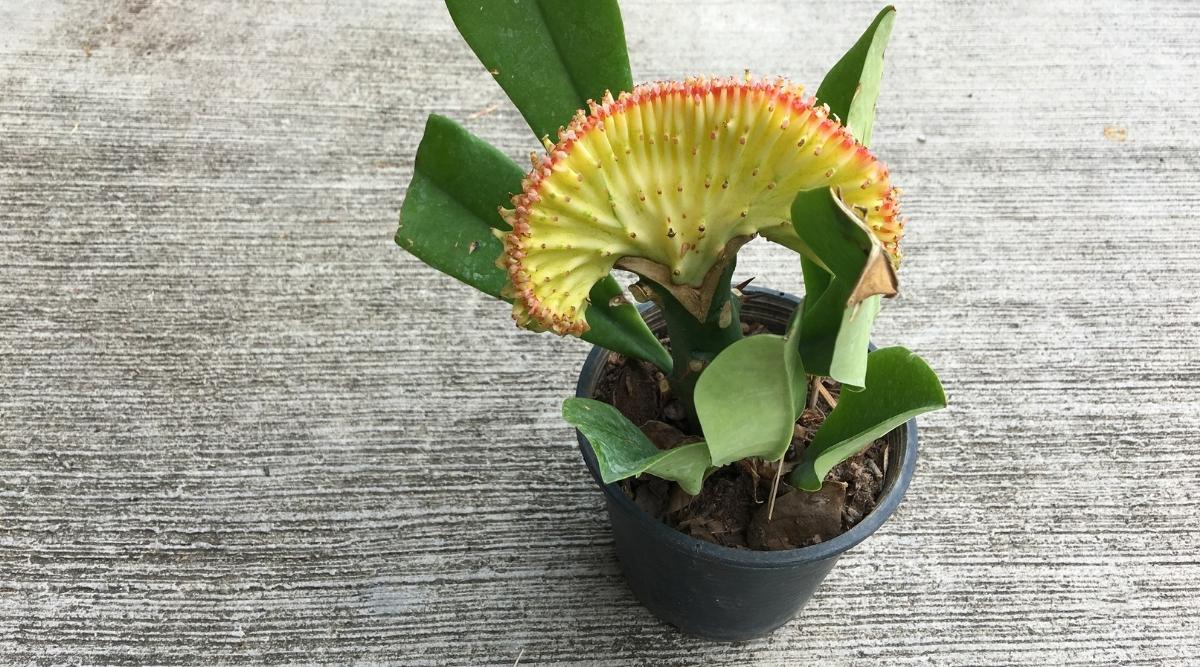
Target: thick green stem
(695,343)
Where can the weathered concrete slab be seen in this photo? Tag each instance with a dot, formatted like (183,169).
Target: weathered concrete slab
(238,425)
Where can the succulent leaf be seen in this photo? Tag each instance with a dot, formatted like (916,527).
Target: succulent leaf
(900,386)
(449,210)
(848,364)
(749,396)
(838,320)
(793,362)
(615,324)
(549,56)
(623,451)
(840,311)
(842,244)
(851,87)
(671,173)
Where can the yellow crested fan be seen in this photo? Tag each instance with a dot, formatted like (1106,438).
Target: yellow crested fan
(671,173)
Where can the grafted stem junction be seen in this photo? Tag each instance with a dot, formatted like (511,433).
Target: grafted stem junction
(696,342)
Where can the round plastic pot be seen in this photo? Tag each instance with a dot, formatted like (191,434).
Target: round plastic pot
(717,592)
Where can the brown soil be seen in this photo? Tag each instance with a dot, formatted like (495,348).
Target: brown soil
(732,509)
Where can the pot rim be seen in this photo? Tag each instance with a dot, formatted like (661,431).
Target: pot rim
(889,498)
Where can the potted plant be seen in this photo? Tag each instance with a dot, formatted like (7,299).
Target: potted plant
(743,438)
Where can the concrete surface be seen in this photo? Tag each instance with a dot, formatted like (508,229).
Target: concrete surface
(238,425)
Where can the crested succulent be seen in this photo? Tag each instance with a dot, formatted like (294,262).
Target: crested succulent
(671,173)
(667,181)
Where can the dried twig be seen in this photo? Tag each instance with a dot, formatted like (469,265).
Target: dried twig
(483,112)
(775,487)
(826,395)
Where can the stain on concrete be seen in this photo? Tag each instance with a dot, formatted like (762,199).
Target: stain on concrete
(141,27)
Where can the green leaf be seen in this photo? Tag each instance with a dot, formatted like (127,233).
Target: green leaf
(793,362)
(748,399)
(550,56)
(622,450)
(851,87)
(618,326)
(849,362)
(836,336)
(816,281)
(899,386)
(837,240)
(459,182)
(823,317)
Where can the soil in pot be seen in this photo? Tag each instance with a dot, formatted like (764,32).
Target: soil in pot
(733,507)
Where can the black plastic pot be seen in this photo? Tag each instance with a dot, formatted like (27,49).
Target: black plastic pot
(717,592)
